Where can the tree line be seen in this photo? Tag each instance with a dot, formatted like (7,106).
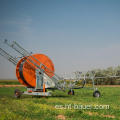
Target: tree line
(109,76)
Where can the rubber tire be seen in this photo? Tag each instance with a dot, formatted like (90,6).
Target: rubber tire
(71,92)
(96,94)
(17,93)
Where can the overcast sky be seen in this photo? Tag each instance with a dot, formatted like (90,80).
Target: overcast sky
(76,34)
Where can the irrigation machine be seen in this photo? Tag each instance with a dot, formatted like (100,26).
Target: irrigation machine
(37,73)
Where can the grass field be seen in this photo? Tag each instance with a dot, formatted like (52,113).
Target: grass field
(9,82)
(61,106)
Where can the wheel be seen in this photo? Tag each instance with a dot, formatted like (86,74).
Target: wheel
(17,93)
(71,92)
(96,94)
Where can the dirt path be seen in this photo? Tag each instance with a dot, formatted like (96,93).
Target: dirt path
(11,86)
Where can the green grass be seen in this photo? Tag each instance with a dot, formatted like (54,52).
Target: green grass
(9,82)
(43,108)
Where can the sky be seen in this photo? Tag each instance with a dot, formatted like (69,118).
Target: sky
(78,35)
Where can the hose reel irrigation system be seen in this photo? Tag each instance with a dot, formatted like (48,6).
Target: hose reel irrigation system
(37,73)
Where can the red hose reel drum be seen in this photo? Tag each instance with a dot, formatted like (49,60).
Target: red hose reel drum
(26,70)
